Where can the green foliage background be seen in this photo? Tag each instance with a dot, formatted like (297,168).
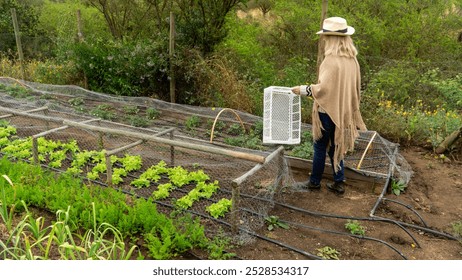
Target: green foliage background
(226,52)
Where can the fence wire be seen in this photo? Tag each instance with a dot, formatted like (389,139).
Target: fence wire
(97,121)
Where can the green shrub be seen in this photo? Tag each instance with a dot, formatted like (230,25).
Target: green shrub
(122,68)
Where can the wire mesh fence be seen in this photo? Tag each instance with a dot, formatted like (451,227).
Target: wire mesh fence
(248,177)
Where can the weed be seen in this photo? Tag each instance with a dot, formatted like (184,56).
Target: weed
(219,125)
(355,228)
(457,228)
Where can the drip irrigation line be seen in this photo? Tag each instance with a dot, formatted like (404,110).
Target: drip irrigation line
(408,207)
(277,242)
(382,194)
(352,235)
(371,219)
(425,229)
(336,233)
(313,213)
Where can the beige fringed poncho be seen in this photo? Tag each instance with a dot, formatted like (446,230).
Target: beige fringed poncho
(338,94)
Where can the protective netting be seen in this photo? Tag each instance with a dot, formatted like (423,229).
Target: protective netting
(174,134)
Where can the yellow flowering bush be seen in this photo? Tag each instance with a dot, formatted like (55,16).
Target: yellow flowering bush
(418,124)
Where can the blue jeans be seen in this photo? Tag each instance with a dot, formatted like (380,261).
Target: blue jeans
(320,149)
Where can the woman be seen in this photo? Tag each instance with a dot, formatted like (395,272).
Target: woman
(336,115)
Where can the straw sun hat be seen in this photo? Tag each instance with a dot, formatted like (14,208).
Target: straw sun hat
(336,26)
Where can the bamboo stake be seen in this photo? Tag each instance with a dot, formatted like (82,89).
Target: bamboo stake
(365,151)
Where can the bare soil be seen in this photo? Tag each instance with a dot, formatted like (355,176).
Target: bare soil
(434,193)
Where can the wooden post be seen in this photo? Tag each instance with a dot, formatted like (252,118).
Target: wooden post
(171,52)
(45,112)
(321,39)
(79,26)
(235,218)
(80,39)
(100,141)
(172,151)
(108,169)
(35,150)
(18,42)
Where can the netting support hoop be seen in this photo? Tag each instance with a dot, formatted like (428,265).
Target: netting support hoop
(216,118)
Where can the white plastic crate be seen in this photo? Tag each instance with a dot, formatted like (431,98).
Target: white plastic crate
(281,116)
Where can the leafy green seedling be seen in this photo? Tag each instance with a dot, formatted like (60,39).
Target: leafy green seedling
(328,253)
(274,222)
(398,187)
(355,228)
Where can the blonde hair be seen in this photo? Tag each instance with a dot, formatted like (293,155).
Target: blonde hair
(339,46)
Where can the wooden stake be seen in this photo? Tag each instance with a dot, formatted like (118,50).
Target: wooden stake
(321,39)
(18,41)
(171,53)
(79,26)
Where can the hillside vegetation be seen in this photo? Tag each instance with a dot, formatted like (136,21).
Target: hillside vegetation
(226,52)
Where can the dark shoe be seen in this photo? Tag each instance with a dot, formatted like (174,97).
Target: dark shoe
(337,187)
(307,185)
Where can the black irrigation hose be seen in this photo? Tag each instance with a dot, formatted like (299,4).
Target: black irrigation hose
(313,213)
(408,207)
(352,235)
(337,233)
(428,230)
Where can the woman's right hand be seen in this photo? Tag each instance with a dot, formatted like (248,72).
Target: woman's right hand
(296,90)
